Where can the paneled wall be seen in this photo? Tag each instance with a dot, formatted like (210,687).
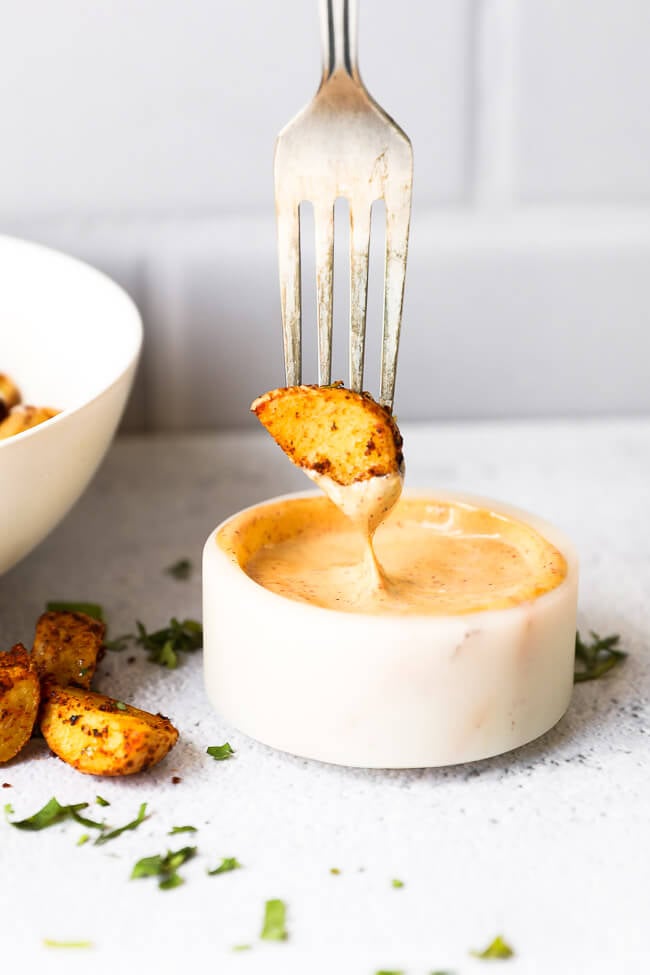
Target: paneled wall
(138,134)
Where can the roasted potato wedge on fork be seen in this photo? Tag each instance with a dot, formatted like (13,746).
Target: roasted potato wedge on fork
(101,736)
(332,431)
(67,646)
(20,694)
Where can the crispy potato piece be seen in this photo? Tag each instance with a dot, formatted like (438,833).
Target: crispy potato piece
(9,392)
(331,430)
(20,694)
(67,646)
(23,418)
(101,736)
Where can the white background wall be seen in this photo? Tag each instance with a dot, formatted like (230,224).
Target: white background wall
(138,134)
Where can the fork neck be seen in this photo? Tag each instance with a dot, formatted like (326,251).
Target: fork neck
(339,37)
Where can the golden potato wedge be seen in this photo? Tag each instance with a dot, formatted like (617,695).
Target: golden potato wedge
(67,646)
(9,392)
(20,694)
(100,736)
(331,430)
(23,418)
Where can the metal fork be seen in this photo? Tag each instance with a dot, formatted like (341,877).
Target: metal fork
(342,144)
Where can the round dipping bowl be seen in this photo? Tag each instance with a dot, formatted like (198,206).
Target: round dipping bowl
(384,691)
(70,339)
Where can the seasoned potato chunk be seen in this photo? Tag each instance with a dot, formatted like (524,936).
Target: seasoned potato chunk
(23,418)
(67,646)
(331,430)
(9,392)
(101,736)
(19,699)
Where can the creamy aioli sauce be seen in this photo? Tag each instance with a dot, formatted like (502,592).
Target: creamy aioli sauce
(435,557)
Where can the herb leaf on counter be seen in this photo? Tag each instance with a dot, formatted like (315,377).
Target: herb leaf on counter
(220,752)
(498,949)
(181,570)
(164,867)
(226,865)
(51,813)
(274,927)
(90,609)
(397,883)
(101,801)
(165,644)
(105,837)
(182,829)
(595,659)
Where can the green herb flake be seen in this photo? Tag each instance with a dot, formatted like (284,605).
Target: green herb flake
(164,867)
(391,971)
(335,871)
(595,659)
(165,644)
(241,947)
(121,706)
(105,837)
(51,943)
(180,570)
(397,883)
(101,801)
(8,811)
(220,752)
(274,927)
(83,839)
(497,950)
(182,829)
(90,609)
(51,813)
(226,865)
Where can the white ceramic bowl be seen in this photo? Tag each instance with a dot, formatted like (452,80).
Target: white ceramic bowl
(386,691)
(70,338)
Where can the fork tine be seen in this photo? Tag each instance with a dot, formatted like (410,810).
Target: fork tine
(289,254)
(397,236)
(324,227)
(359,245)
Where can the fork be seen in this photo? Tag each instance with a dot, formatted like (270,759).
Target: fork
(343,144)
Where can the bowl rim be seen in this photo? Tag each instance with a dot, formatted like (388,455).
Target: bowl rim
(548,530)
(136,318)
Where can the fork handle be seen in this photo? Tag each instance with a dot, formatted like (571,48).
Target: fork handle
(339,37)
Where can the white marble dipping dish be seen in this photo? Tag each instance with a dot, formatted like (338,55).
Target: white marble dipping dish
(387,691)
(70,339)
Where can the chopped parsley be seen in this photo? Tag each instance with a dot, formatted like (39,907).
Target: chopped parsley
(335,871)
(180,570)
(164,867)
(498,949)
(397,883)
(101,801)
(182,829)
(220,752)
(105,837)
(165,644)
(391,971)
(51,943)
(241,947)
(274,927)
(83,839)
(226,865)
(51,813)
(596,658)
(90,609)
(121,706)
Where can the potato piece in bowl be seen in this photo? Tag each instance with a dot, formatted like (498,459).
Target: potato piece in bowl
(67,646)
(101,736)
(333,431)
(23,418)
(20,695)
(9,392)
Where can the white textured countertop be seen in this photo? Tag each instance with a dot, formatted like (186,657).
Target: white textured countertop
(547,846)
